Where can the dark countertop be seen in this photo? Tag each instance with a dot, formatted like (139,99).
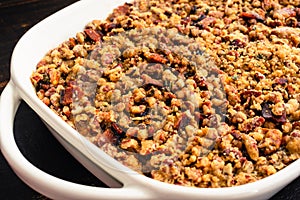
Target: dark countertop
(33,138)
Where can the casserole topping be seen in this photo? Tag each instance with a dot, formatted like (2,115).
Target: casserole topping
(195,93)
(150,92)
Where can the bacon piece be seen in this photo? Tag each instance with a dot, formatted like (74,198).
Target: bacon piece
(116,128)
(66,96)
(252,123)
(267,114)
(201,82)
(281,81)
(72,42)
(238,43)
(155,57)
(92,34)
(252,15)
(182,121)
(248,93)
(208,21)
(106,137)
(285,12)
(150,81)
(41,63)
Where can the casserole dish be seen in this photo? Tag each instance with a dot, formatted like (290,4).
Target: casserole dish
(125,182)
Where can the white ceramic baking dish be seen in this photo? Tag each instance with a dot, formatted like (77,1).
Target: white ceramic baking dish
(125,183)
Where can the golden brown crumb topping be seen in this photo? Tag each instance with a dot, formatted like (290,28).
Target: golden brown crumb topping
(154,111)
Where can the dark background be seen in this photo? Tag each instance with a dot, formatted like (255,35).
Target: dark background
(34,140)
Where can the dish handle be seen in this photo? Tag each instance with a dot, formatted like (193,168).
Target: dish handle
(40,181)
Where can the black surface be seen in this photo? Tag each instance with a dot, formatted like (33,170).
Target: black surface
(39,146)
(34,140)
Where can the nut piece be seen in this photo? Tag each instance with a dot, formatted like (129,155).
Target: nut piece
(272,141)
(251,146)
(129,144)
(291,106)
(138,109)
(293,143)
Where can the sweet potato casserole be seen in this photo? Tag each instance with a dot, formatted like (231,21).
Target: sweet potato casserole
(201,93)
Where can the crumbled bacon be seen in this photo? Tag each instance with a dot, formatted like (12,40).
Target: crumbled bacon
(252,15)
(92,34)
(66,96)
